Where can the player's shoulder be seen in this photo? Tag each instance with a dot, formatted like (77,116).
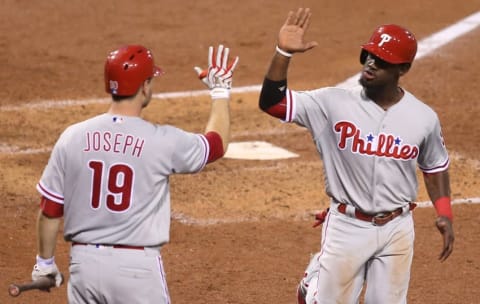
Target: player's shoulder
(74,127)
(174,133)
(329,90)
(334,94)
(84,124)
(417,105)
(166,128)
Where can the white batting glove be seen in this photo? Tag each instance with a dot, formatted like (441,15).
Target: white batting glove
(202,75)
(45,268)
(219,75)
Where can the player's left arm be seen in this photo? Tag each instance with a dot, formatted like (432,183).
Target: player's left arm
(217,130)
(218,78)
(434,162)
(438,188)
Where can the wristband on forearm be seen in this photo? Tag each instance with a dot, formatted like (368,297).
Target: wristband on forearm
(282,52)
(45,262)
(443,207)
(220,93)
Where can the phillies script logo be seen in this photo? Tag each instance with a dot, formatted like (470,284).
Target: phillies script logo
(385,145)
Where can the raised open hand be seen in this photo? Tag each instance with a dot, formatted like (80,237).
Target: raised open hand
(219,74)
(291,35)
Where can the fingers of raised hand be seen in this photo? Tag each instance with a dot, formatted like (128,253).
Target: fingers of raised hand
(291,18)
(233,65)
(227,76)
(211,57)
(220,72)
(202,75)
(299,18)
(217,77)
(217,66)
(211,76)
(304,17)
(224,62)
(225,80)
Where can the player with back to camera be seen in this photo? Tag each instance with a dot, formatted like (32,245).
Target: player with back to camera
(108,177)
(370,138)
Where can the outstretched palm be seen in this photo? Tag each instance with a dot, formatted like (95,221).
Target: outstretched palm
(291,35)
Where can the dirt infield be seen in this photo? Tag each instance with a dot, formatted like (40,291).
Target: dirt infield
(241,230)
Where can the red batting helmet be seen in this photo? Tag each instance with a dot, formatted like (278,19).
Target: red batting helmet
(127,68)
(391,43)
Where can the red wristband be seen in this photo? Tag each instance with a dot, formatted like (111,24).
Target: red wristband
(443,207)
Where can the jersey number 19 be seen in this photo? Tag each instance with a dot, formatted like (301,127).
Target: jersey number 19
(119,182)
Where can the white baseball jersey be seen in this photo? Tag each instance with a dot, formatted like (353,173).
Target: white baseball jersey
(369,154)
(111,173)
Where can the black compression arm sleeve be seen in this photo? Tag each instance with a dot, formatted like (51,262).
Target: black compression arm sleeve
(272,93)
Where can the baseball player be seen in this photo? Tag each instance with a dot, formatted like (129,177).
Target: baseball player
(108,177)
(370,138)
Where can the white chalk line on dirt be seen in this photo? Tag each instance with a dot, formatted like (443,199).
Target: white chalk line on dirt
(425,47)
(186,219)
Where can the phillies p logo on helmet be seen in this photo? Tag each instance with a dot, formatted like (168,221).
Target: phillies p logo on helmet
(385,38)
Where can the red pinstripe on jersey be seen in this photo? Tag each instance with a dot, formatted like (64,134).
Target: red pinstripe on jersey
(290,106)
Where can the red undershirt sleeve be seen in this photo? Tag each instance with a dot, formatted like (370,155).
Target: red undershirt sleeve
(273,99)
(215,143)
(50,208)
(278,110)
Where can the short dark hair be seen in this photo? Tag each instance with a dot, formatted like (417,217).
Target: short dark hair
(118,98)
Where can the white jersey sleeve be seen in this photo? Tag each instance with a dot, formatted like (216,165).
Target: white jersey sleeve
(51,184)
(307,108)
(433,155)
(190,151)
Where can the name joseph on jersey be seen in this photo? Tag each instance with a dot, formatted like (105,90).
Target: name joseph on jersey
(117,143)
(385,145)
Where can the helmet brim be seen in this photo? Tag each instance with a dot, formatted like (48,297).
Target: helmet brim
(382,53)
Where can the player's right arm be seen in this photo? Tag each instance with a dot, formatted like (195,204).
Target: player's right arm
(290,40)
(47,230)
